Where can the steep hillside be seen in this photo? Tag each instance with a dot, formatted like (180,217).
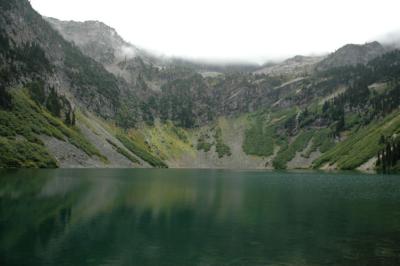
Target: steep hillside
(32,50)
(44,81)
(103,44)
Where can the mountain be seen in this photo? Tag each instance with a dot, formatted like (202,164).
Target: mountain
(75,94)
(96,40)
(31,42)
(44,81)
(159,81)
(103,44)
(296,66)
(352,54)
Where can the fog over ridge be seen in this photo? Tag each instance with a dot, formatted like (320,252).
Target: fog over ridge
(236,31)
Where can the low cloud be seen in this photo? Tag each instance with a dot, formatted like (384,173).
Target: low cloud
(391,39)
(127,52)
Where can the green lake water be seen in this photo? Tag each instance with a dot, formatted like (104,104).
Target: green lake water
(198,217)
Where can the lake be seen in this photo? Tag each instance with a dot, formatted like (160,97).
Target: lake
(198,217)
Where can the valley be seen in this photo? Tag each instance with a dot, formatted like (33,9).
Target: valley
(76,94)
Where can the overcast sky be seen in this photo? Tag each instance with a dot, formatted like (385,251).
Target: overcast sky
(235,30)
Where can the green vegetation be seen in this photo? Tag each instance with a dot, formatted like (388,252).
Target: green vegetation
(163,140)
(220,147)
(182,101)
(202,143)
(87,73)
(268,128)
(27,120)
(361,145)
(22,60)
(179,132)
(37,92)
(288,151)
(23,154)
(5,98)
(123,152)
(57,105)
(140,152)
(350,108)
(388,158)
(322,140)
(259,139)
(125,117)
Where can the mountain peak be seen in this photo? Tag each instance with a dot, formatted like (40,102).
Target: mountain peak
(96,39)
(352,54)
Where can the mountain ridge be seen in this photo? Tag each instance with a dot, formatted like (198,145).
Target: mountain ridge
(352,54)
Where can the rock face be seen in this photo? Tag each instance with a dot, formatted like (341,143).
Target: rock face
(103,44)
(96,40)
(352,54)
(47,56)
(173,89)
(295,66)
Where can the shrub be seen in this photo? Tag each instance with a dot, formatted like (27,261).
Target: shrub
(140,152)
(123,152)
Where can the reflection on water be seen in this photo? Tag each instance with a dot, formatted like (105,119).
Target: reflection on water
(197,217)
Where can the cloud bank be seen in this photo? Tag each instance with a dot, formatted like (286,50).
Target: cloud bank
(235,30)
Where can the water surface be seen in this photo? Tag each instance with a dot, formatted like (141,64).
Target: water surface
(198,217)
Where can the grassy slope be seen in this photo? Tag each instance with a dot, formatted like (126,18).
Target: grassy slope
(261,136)
(19,130)
(156,145)
(22,153)
(164,143)
(123,152)
(321,141)
(21,147)
(220,147)
(259,139)
(361,145)
(169,141)
(213,136)
(137,149)
(288,152)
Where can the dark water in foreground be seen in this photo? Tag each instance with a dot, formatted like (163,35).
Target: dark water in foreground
(198,217)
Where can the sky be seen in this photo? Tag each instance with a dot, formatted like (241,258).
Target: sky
(236,30)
